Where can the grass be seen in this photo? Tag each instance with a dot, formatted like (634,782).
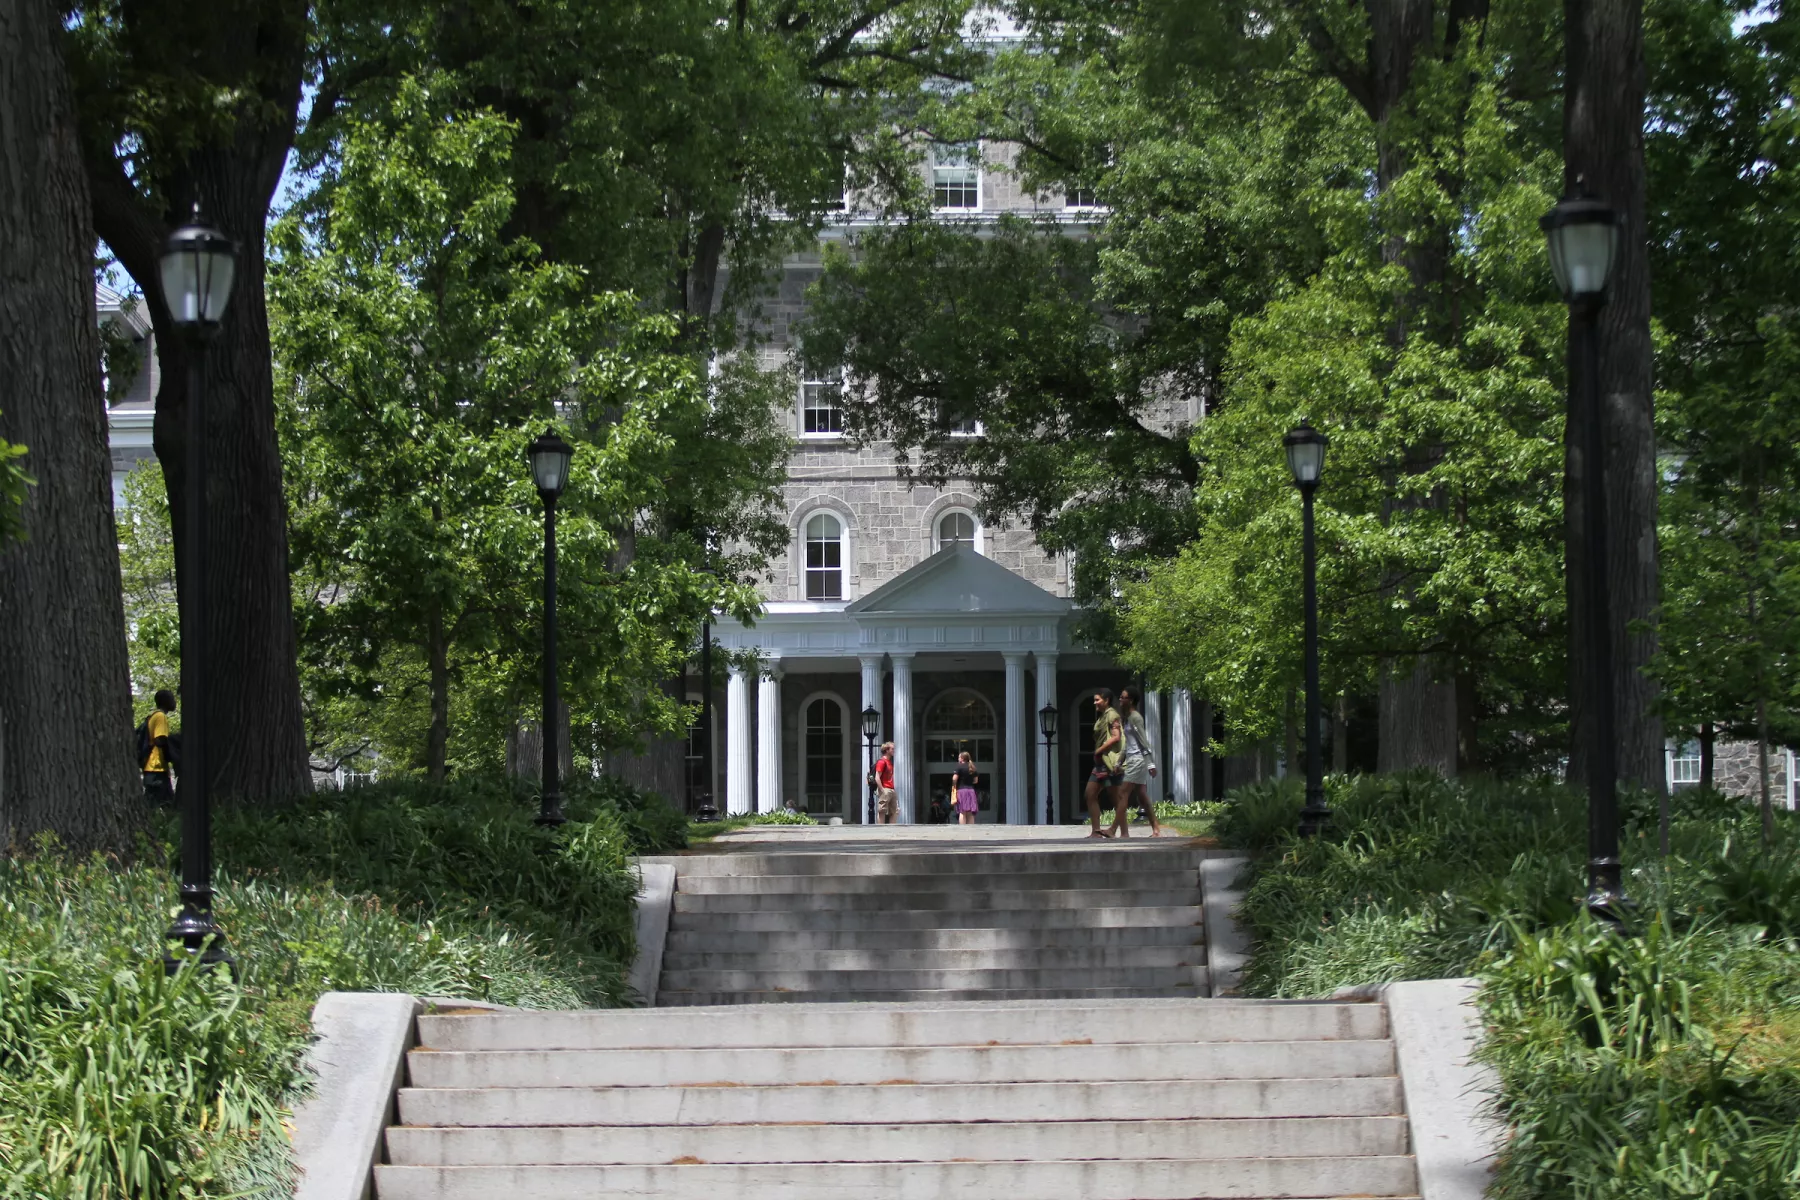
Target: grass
(705,831)
(119,1081)
(1660,1061)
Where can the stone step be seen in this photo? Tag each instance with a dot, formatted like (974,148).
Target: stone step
(841,918)
(937,882)
(1152,854)
(882,958)
(902,1103)
(1189,991)
(975,899)
(937,1021)
(803,941)
(993,1141)
(1105,1179)
(956,978)
(772,1066)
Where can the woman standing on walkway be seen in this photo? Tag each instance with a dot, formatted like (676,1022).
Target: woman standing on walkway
(1140,765)
(963,783)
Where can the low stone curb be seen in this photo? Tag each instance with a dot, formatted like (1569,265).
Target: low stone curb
(1227,946)
(655,898)
(357,1060)
(1436,1027)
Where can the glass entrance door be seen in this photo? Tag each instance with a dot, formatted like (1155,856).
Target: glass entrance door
(958,721)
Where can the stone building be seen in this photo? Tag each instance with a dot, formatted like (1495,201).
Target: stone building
(899,598)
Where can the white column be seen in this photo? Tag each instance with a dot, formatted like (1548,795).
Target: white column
(768,738)
(1153,718)
(738,781)
(1046,772)
(871,697)
(1018,740)
(1181,749)
(905,785)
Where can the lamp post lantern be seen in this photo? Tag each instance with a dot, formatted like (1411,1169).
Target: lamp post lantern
(871,728)
(198,267)
(1583,237)
(1305,448)
(550,470)
(1047,726)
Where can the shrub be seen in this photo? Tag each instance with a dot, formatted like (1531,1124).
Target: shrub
(116,1080)
(1662,1060)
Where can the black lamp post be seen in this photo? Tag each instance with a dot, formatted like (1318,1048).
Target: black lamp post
(708,811)
(198,266)
(871,731)
(1583,235)
(550,468)
(1306,460)
(1047,726)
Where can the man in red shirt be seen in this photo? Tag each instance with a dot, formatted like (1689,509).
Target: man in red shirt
(886,801)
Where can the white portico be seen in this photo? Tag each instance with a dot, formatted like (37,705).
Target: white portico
(942,651)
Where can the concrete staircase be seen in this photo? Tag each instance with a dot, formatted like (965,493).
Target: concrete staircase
(1139,1099)
(945,921)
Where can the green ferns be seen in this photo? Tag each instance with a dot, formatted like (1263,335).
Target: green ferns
(1654,1064)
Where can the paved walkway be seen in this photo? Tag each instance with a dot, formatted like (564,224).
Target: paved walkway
(851,839)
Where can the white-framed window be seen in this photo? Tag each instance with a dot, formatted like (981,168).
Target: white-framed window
(822,405)
(957,528)
(1684,765)
(961,426)
(823,538)
(823,779)
(1081,195)
(956,176)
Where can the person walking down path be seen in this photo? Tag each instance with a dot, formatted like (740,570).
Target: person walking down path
(155,757)
(1139,766)
(886,799)
(1108,774)
(964,782)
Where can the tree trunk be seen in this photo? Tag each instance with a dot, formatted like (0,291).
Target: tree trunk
(1706,755)
(1340,735)
(437,657)
(1417,711)
(1603,133)
(65,706)
(257,743)
(1413,731)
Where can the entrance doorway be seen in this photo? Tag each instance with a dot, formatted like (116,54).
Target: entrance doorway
(956,721)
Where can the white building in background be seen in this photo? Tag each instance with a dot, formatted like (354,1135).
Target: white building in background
(132,413)
(899,598)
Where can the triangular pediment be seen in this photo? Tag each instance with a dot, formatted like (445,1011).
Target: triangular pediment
(958,580)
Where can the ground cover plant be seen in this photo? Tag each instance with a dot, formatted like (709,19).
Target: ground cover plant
(1661,1060)
(117,1080)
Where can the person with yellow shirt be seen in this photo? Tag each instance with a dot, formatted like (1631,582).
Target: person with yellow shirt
(159,763)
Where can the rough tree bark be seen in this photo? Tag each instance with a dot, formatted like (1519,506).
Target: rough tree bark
(255,50)
(65,705)
(1603,143)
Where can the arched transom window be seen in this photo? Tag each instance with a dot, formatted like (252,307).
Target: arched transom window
(824,557)
(956,529)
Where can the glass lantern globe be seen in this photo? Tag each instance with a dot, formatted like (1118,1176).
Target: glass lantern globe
(550,463)
(198,267)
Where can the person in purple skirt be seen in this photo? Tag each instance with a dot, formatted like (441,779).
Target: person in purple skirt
(963,783)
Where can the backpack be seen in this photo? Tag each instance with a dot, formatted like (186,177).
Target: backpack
(143,743)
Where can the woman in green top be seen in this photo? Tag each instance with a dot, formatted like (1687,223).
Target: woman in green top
(1108,774)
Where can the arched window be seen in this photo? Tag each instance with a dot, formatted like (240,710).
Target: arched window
(824,756)
(957,529)
(824,557)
